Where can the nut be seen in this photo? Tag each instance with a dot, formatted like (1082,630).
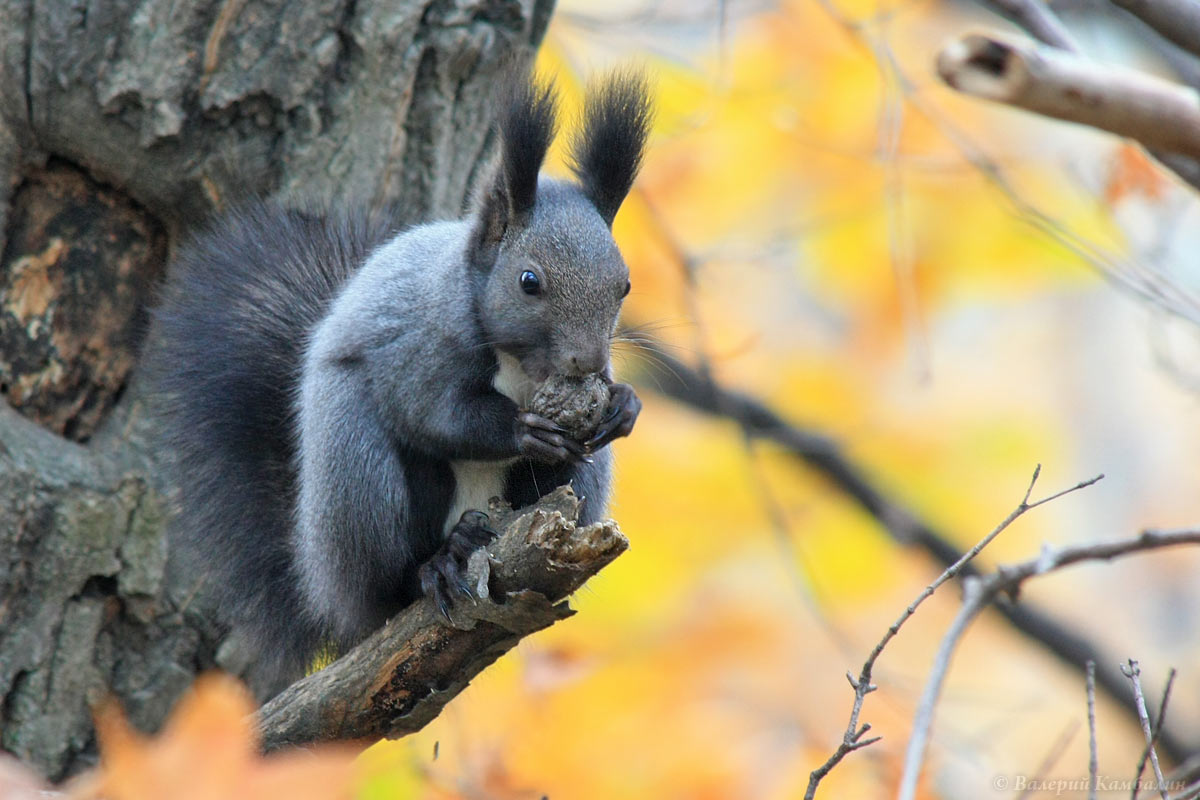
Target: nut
(576,403)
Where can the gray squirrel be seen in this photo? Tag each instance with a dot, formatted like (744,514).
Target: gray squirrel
(342,396)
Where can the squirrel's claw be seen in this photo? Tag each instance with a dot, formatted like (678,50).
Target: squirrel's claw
(623,409)
(444,574)
(537,421)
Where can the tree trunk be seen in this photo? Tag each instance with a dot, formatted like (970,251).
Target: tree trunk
(123,124)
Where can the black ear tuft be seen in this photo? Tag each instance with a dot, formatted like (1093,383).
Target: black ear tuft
(526,123)
(607,151)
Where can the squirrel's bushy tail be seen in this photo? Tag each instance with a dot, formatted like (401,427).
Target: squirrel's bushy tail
(225,356)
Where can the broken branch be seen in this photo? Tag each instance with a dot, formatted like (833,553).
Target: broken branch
(401,677)
(1162,115)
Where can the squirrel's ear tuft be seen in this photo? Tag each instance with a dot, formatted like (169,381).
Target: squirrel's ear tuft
(607,150)
(525,124)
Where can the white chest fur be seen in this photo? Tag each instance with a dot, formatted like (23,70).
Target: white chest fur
(511,381)
(476,482)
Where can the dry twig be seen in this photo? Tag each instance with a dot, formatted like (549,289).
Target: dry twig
(1093,755)
(979,594)
(1162,716)
(1177,21)
(852,739)
(1132,671)
(1038,19)
(1185,773)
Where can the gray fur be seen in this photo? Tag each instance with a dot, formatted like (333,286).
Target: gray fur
(386,372)
(568,327)
(405,356)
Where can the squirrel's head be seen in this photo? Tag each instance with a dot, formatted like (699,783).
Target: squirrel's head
(550,277)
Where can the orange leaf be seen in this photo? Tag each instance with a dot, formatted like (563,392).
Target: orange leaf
(209,750)
(1132,172)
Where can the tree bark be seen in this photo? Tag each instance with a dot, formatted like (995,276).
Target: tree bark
(123,125)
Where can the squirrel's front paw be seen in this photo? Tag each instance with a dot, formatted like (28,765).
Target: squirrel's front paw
(623,409)
(542,440)
(445,573)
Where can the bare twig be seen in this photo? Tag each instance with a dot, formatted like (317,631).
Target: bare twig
(400,678)
(1134,27)
(1149,749)
(1093,757)
(1177,21)
(1189,792)
(1128,274)
(1038,19)
(1160,114)
(1132,671)
(980,592)
(852,738)
(1031,20)
(1186,771)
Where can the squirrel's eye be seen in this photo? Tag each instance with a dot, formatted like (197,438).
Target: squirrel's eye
(530,283)
(627,287)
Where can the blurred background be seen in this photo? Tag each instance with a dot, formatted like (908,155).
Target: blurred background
(954,293)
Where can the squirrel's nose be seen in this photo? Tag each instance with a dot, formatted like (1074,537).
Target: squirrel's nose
(587,363)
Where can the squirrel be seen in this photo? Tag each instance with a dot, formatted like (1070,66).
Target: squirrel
(341,396)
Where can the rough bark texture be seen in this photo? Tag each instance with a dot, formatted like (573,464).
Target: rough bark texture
(400,678)
(123,124)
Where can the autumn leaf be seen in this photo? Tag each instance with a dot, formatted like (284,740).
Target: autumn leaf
(208,750)
(1132,172)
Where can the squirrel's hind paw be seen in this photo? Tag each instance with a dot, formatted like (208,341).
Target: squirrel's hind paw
(444,575)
